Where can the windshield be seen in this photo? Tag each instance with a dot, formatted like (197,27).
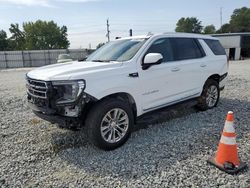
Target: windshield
(119,50)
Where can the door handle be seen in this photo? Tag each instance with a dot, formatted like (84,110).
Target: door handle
(134,74)
(203,65)
(175,69)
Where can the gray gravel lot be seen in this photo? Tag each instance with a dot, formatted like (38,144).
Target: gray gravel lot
(170,152)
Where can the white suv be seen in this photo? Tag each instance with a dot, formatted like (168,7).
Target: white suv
(125,79)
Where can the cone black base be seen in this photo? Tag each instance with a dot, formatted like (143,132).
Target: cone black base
(221,167)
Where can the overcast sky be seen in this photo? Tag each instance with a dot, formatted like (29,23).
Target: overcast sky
(86,19)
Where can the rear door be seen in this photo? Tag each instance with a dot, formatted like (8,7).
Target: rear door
(189,54)
(217,61)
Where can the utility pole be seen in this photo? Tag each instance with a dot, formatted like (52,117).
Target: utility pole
(221,17)
(108,31)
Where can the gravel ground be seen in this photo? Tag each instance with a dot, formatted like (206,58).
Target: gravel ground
(170,152)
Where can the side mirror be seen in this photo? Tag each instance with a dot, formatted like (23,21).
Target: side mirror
(152,59)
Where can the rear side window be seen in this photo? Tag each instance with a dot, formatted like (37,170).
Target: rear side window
(215,46)
(186,48)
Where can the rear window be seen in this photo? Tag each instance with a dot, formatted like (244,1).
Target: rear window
(215,46)
(186,48)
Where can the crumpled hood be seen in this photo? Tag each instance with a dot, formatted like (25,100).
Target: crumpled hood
(65,71)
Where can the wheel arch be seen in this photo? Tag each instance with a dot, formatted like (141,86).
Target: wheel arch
(215,77)
(202,104)
(126,97)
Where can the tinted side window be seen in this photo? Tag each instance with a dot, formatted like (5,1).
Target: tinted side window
(163,47)
(215,46)
(186,48)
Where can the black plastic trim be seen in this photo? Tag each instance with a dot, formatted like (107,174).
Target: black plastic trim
(41,109)
(171,103)
(63,121)
(222,77)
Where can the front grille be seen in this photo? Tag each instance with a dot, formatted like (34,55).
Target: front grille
(37,88)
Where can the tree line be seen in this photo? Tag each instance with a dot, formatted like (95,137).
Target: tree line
(239,22)
(39,35)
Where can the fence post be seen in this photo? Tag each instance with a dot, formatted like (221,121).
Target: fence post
(45,61)
(5,58)
(30,62)
(23,58)
(49,57)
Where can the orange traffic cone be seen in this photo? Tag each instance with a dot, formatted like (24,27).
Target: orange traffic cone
(226,157)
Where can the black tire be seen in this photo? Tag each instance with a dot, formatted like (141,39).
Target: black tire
(95,118)
(202,101)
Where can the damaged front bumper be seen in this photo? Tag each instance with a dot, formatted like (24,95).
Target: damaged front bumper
(54,117)
(42,97)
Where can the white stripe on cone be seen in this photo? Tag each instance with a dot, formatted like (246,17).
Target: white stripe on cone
(229,127)
(228,140)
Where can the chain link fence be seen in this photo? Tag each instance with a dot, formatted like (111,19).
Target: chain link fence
(37,58)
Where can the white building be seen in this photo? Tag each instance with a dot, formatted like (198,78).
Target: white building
(237,45)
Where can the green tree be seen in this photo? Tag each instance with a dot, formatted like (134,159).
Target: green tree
(189,25)
(64,42)
(17,39)
(226,28)
(41,35)
(209,29)
(3,40)
(240,20)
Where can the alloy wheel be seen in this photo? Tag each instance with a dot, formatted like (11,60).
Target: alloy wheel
(114,125)
(212,96)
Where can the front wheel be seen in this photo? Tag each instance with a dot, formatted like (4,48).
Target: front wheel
(109,123)
(210,95)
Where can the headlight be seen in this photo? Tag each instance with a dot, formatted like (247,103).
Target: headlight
(68,91)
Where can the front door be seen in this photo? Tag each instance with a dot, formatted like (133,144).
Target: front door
(177,78)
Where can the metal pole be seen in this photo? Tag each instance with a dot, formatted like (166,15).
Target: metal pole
(108,31)
(221,17)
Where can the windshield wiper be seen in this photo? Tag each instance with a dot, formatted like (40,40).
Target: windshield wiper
(98,60)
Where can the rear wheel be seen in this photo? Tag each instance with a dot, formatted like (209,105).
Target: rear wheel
(109,123)
(210,95)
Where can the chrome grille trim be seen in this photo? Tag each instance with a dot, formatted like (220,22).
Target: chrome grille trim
(37,88)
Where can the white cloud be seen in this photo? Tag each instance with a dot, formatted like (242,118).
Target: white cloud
(44,3)
(78,1)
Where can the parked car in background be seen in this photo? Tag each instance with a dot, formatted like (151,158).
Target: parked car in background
(63,58)
(127,78)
